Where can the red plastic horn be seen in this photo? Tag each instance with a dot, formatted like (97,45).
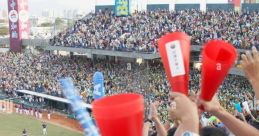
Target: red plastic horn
(174,50)
(217,59)
(120,115)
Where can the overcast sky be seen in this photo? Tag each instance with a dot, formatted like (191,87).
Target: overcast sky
(37,6)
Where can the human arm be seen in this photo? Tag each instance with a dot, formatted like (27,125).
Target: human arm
(146,128)
(161,131)
(153,116)
(243,117)
(250,66)
(183,109)
(235,125)
(251,115)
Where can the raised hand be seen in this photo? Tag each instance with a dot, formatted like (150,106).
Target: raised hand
(250,64)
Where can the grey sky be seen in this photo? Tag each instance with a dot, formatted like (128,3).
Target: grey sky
(37,6)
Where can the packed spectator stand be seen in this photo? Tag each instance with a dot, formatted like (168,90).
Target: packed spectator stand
(41,73)
(140,31)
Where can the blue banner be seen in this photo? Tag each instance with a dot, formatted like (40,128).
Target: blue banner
(122,7)
(99,90)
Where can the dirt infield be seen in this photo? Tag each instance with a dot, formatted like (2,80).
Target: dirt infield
(63,121)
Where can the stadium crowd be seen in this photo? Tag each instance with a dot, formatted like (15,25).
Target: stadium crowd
(167,113)
(41,73)
(141,31)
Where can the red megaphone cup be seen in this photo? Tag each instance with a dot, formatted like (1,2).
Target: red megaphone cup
(120,115)
(174,49)
(217,59)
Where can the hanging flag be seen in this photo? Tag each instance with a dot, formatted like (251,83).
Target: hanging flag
(99,90)
(237,3)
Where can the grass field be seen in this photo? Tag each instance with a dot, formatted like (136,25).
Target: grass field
(13,124)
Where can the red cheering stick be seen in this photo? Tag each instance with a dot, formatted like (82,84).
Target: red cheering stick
(217,59)
(174,50)
(120,115)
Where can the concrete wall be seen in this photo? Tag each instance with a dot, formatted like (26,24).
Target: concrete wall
(250,7)
(153,7)
(186,6)
(217,1)
(104,4)
(178,4)
(188,1)
(104,7)
(220,6)
(145,2)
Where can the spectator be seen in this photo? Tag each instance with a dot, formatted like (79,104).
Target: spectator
(150,82)
(140,31)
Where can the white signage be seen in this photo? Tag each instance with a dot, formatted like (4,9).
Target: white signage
(175,58)
(13,16)
(128,66)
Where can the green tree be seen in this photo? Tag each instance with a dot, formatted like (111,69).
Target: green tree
(2,20)
(4,31)
(59,21)
(70,23)
(46,24)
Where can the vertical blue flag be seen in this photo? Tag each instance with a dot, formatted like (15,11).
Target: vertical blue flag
(99,90)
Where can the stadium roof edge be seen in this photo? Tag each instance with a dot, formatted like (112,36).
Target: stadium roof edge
(44,43)
(54,98)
